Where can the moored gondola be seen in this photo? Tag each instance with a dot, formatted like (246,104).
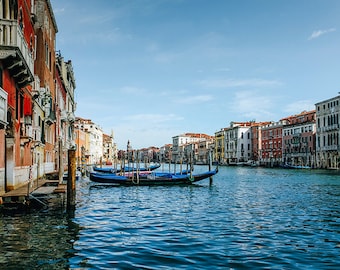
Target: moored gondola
(154,178)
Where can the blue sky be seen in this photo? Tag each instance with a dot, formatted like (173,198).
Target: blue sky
(153,69)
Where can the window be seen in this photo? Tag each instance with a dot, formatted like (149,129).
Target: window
(21,20)
(3,106)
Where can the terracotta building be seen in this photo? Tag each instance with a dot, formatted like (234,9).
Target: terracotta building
(44,66)
(298,139)
(31,122)
(17,52)
(271,152)
(256,140)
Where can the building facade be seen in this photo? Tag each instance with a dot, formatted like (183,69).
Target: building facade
(271,152)
(93,145)
(165,153)
(256,141)
(17,54)
(178,153)
(109,149)
(33,94)
(219,146)
(64,110)
(205,154)
(45,64)
(237,143)
(327,133)
(298,141)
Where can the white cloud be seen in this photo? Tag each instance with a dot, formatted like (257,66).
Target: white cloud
(131,90)
(319,33)
(299,106)
(194,99)
(165,57)
(140,137)
(222,69)
(228,83)
(145,130)
(152,47)
(250,105)
(58,10)
(153,118)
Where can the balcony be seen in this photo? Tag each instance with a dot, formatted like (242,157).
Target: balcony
(328,128)
(330,148)
(50,118)
(332,127)
(26,135)
(63,115)
(26,131)
(296,135)
(15,53)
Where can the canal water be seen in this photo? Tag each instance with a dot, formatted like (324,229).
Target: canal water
(249,218)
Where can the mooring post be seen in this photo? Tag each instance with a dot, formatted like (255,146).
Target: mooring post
(60,161)
(71,181)
(210,165)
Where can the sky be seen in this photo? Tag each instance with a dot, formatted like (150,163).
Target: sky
(149,70)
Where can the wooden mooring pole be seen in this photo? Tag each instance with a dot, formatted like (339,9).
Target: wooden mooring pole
(71,181)
(210,165)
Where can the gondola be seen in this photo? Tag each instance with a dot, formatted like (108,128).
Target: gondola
(125,169)
(155,178)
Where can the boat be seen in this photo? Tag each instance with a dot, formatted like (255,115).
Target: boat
(125,169)
(290,166)
(251,163)
(65,175)
(155,178)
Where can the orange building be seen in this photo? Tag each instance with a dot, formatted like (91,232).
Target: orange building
(82,154)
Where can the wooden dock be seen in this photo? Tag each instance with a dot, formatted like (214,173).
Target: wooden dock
(37,192)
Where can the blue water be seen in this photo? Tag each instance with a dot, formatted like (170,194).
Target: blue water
(249,218)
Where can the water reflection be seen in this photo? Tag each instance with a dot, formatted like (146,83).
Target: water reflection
(247,219)
(37,241)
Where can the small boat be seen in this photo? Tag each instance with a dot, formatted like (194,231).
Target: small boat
(78,175)
(290,166)
(125,169)
(155,178)
(251,163)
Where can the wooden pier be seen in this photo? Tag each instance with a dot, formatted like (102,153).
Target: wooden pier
(36,194)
